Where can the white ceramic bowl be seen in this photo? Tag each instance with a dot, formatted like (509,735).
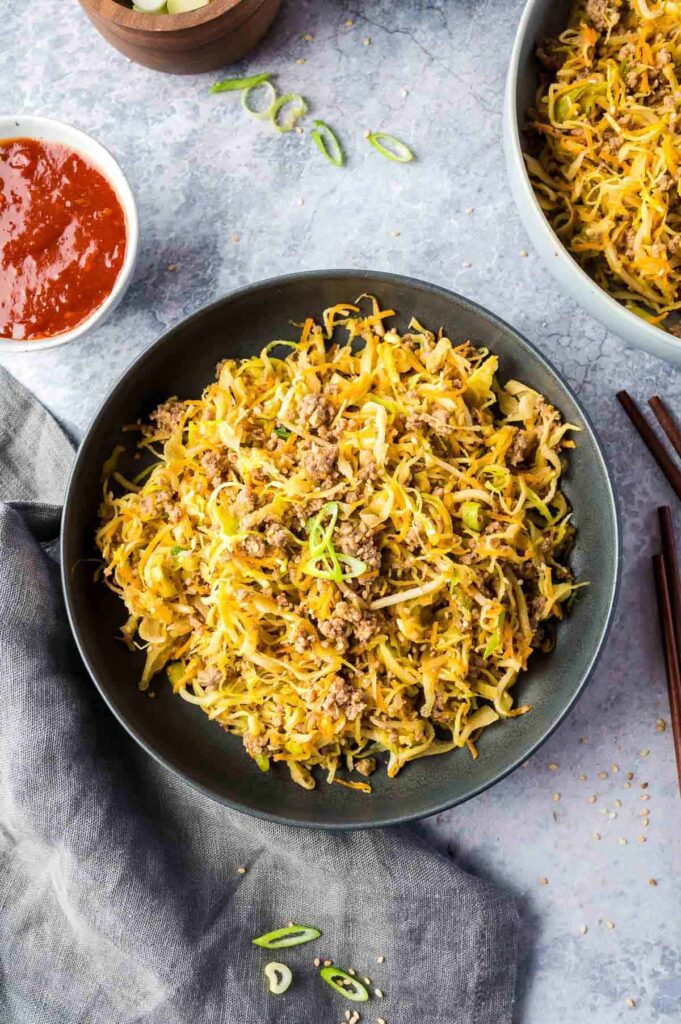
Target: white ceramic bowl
(22,126)
(546,18)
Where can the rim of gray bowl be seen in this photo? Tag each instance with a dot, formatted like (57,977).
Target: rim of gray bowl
(575,281)
(396,819)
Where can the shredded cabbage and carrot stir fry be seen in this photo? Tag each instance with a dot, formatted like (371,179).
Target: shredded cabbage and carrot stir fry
(606,150)
(345,548)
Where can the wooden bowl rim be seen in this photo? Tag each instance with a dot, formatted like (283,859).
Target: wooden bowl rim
(126,18)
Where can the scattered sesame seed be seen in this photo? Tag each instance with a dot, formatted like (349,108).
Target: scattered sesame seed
(317,962)
(614,767)
(300,202)
(645,822)
(380,959)
(543,880)
(643,796)
(298,130)
(367,981)
(349,23)
(630,775)
(378,993)
(553,767)
(592,799)
(613,814)
(603,811)
(395,234)
(352,971)
(466,264)
(644,812)
(524,253)
(380,1020)
(308,37)
(234,238)
(582,739)
(525,764)
(623,841)
(242,870)
(151,695)
(641,839)
(327,963)
(644,785)
(643,753)
(652,881)
(172,267)
(602,775)
(367,133)
(556,797)
(347,1015)
(660,725)
(618,804)
(583,929)
(367,40)
(300,60)
(627,785)
(596,835)
(581,777)
(469,210)
(404,93)
(631,1003)
(610,925)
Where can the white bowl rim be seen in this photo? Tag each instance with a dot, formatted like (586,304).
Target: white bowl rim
(29,126)
(614,315)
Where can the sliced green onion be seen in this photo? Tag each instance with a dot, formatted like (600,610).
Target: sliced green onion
(355,566)
(184,6)
(295,115)
(149,6)
(263,114)
(494,642)
(292,935)
(471,514)
(499,478)
(344,983)
(235,84)
(395,150)
(279,977)
(283,432)
(326,141)
(320,541)
(175,672)
(176,549)
(262,762)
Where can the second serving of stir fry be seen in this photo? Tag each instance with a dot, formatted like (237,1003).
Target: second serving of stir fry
(346,548)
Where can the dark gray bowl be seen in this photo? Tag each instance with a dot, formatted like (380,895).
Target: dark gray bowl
(180,736)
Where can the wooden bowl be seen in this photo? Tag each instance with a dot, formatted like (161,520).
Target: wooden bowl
(184,44)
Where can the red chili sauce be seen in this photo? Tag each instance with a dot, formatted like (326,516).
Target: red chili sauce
(62,239)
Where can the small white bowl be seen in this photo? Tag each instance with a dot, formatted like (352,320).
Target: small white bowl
(547,18)
(23,126)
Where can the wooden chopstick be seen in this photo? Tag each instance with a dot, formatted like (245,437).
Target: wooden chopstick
(671,569)
(666,421)
(671,658)
(651,440)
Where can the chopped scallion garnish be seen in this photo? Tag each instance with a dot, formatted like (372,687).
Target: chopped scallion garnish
(326,141)
(299,109)
(390,147)
(265,87)
(471,515)
(235,84)
(292,935)
(279,977)
(283,432)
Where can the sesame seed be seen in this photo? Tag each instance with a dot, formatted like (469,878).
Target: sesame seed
(583,929)
(300,60)
(469,210)
(404,93)
(582,739)
(644,785)
(581,777)
(349,23)
(660,725)
(347,1015)
(308,37)
(613,814)
(234,238)
(242,870)
(317,962)
(300,202)
(592,799)
(524,253)
(641,839)
(553,767)
(327,963)
(627,785)
(596,835)
(543,880)
(603,811)
(630,775)
(644,812)
(645,822)
(352,971)
(623,841)
(367,40)
(395,234)
(380,1020)
(618,804)
(602,775)
(643,753)
(466,264)
(298,130)
(614,767)
(378,993)
(367,133)
(644,796)
(367,981)
(171,268)
(631,1003)
(556,797)
(652,881)
(610,925)
(380,959)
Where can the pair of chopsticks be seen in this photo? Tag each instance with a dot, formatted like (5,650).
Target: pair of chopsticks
(665,564)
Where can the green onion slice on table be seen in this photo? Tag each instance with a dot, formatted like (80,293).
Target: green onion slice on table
(235,84)
(292,935)
(279,977)
(326,141)
(266,89)
(298,110)
(390,147)
(344,983)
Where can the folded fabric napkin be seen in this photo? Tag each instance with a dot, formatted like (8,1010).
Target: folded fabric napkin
(120,894)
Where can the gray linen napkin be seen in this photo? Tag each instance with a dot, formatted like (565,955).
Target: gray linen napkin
(120,898)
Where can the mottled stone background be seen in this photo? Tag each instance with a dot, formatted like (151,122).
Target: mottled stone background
(229,202)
